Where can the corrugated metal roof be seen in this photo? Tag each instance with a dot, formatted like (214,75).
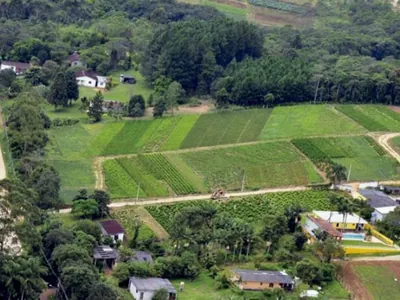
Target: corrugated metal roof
(152,284)
(377,198)
(264,276)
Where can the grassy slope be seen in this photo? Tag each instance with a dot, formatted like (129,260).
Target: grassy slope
(396,144)
(379,281)
(306,120)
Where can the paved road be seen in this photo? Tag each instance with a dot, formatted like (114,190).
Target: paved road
(132,201)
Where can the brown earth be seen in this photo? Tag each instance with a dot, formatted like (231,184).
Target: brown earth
(273,17)
(233,3)
(352,282)
(395,108)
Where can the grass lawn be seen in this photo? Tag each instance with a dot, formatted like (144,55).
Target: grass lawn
(395,143)
(308,120)
(379,281)
(364,244)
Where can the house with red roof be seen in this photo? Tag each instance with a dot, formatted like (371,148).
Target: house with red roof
(74,60)
(314,223)
(19,68)
(113,229)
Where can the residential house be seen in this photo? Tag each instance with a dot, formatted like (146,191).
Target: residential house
(105,255)
(389,189)
(380,213)
(262,280)
(340,221)
(74,60)
(380,202)
(144,288)
(127,79)
(113,229)
(142,256)
(19,68)
(90,79)
(313,224)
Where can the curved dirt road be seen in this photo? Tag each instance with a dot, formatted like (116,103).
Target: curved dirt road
(383,140)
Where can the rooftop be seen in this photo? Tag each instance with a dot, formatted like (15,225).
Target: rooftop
(264,276)
(111,227)
(142,256)
(336,217)
(385,210)
(104,252)
(20,65)
(73,57)
(377,198)
(86,74)
(152,284)
(325,226)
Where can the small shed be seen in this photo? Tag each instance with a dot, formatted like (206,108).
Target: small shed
(105,255)
(127,79)
(142,256)
(113,229)
(262,280)
(144,288)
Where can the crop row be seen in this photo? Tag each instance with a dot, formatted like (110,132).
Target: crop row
(357,115)
(162,169)
(285,6)
(250,209)
(375,146)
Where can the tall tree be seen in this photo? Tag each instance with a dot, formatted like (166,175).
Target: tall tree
(136,106)
(58,95)
(173,95)
(71,86)
(96,107)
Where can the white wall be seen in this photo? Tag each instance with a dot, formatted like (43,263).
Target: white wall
(101,84)
(5,67)
(376,216)
(86,81)
(136,295)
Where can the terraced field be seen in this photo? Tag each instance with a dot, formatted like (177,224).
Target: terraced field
(364,159)
(253,167)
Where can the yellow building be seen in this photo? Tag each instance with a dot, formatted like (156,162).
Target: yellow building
(262,280)
(340,221)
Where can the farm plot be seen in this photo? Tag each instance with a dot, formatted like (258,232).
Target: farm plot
(252,167)
(372,117)
(306,121)
(280,5)
(395,143)
(250,209)
(226,128)
(369,280)
(362,156)
(126,218)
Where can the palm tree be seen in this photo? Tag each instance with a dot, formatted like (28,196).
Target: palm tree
(336,173)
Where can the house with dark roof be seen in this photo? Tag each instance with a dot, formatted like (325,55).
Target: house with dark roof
(380,202)
(19,68)
(144,288)
(105,255)
(142,256)
(90,79)
(313,224)
(113,229)
(74,60)
(262,280)
(127,79)
(390,189)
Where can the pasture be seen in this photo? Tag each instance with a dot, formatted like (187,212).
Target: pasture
(362,156)
(395,143)
(249,167)
(372,280)
(306,121)
(372,117)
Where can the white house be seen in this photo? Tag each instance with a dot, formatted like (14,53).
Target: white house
(144,288)
(19,68)
(90,79)
(113,229)
(380,213)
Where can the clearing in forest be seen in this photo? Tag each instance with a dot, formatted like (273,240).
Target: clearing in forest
(372,117)
(308,120)
(361,155)
(251,167)
(368,280)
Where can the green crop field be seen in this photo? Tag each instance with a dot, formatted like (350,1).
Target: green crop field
(372,117)
(360,155)
(395,143)
(379,280)
(250,209)
(308,120)
(226,128)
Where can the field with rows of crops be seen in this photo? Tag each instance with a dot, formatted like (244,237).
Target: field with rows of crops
(251,167)
(395,143)
(250,209)
(362,156)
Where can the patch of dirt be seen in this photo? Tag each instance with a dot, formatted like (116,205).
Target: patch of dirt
(395,108)
(185,109)
(232,3)
(352,282)
(273,17)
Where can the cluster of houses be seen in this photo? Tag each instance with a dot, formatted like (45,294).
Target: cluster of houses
(83,78)
(144,288)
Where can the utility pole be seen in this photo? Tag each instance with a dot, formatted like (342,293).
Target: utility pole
(137,193)
(244,176)
(348,174)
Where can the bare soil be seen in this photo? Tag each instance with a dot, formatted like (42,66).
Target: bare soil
(273,17)
(395,108)
(352,282)
(232,3)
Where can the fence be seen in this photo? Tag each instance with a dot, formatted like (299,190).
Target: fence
(379,235)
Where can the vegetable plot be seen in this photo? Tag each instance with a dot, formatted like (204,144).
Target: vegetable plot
(285,6)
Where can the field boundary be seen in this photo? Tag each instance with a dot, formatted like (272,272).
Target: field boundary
(148,219)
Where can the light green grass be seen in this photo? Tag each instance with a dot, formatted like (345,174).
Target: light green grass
(179,133)
(226,128)
(379,281)
(382,115)
(364,244)
(395,143)
(230,11)
(308,120)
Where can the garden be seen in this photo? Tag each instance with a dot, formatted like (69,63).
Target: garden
(280,5)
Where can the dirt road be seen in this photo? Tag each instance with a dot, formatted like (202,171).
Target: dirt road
(132,201)
(377,258)
(383,140)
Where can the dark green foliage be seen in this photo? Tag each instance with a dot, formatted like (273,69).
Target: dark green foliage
(7,77)
(160,107)
(102,291)
(85,208)
(58,95)
(89,227)
(55,238)
(160,294)
(136,106)
(103,200)
(65,255)
(71,85)
(390,225)
(96,107)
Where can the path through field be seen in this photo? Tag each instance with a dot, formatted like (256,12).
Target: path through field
(383,141)
(148,219)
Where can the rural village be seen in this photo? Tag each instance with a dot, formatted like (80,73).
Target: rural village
(199,150)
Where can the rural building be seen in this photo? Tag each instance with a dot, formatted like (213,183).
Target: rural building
(105,255)
(142,256)
(127,79)
(393,190)
(113,229)
(340,221)
(144,288)
(262,280)
(19,68)
(380,213)
(313,224)
(90,79)
(74,60)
